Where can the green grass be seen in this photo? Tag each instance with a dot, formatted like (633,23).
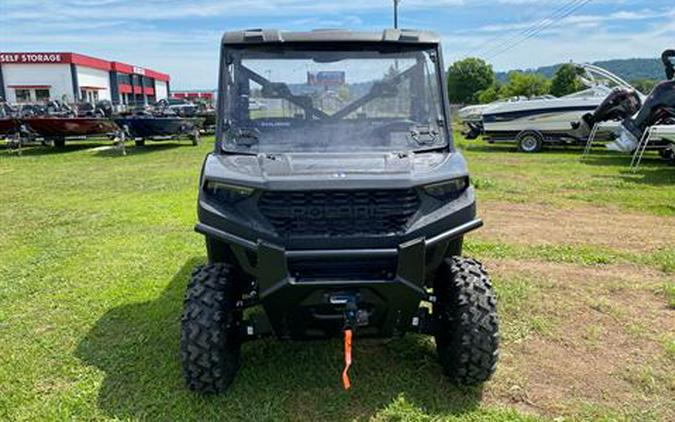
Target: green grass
(669,290)
(558,176)
(96,250)
(663,259)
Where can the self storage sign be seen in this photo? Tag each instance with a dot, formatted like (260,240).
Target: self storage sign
(31,58)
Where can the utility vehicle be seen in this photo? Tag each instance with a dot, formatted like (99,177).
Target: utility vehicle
(338,209)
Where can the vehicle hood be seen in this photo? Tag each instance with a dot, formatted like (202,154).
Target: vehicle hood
(334,170)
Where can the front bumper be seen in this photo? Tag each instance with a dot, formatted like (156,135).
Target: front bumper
(300,306)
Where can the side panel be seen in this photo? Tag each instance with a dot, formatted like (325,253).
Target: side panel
(3,95)
(222,96)
(161,90)
(544,122)
(95,79)
(446,98)
(114,88)
(56,76)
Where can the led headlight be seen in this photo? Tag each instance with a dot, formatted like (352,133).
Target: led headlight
(226,193)
(448,189)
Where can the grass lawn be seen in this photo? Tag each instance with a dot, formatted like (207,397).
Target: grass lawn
(96,250)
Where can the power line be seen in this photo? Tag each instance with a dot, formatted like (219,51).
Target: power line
(558,14)
(542,28)
(492,41)
(528,29)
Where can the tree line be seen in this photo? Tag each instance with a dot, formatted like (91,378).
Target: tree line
(473,81)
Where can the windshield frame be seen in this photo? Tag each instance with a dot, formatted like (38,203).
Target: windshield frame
(223,124)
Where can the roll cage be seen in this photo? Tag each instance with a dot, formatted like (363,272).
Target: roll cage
(324,41)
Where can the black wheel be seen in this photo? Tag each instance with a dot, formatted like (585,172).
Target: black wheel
(139,142)
(210,339)
(467,337)
(530,141)
(668,154)
(59,142)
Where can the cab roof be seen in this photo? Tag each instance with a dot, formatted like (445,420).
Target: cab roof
(269,36)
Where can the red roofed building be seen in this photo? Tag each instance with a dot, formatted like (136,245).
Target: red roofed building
(73,77)
(205,95)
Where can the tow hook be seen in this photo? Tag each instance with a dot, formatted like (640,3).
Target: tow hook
(351,321)
(348,359)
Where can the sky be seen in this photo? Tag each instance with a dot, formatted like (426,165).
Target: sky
(181,37)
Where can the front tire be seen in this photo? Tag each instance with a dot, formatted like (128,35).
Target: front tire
(210,340)
(467,336)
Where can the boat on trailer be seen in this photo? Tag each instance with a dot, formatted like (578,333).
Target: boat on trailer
(9,124)
(144,127)
(650,127)
(58,123)
(533,123)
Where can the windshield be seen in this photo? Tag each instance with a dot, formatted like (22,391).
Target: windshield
(363,98)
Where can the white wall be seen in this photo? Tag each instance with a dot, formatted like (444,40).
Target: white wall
(56,75)
(94,77)
(161,90)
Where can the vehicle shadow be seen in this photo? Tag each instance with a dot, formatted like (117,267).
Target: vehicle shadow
(136,346)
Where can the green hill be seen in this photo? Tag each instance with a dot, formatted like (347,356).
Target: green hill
(628,69)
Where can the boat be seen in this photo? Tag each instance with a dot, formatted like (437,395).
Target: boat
(55,127)
(474,113)
(186,109)
(548,120)
(9,125)
(58,122)
(658,109)
(209,116)
(142,126)
(651,127)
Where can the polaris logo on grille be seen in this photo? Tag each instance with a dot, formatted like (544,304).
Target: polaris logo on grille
(317,212)
(339,213)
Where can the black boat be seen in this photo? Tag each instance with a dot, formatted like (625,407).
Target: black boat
(159,126)
(209,116)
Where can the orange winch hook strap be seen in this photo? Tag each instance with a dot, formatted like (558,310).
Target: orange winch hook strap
(348,359)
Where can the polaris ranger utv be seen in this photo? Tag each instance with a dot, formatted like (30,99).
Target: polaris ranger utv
(335,201)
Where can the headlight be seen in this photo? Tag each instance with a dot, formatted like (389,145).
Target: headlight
(226,193)
(448,189)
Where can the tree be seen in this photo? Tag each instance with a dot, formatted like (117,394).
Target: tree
(526,84)
(566,81)
(467,78)
(490,94)
(645,86)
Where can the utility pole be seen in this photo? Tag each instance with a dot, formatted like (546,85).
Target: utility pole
(396,2)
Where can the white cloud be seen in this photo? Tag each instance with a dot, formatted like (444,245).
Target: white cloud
(166,35)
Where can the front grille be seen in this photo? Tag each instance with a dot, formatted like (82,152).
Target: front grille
(339,213)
